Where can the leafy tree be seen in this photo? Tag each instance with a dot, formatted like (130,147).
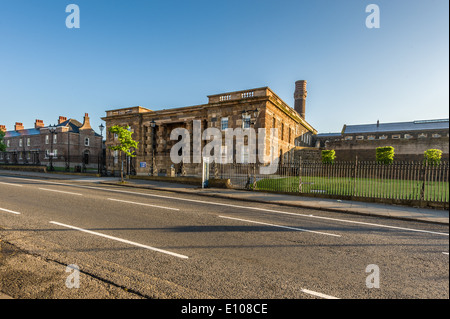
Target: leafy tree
(385,155)
(328,156)
(125,145)
(432,156)
(2,146)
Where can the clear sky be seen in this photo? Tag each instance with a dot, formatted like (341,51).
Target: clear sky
(164,54)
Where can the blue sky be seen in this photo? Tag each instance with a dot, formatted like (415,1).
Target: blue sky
(164,54)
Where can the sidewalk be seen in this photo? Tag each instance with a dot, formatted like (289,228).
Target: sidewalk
(373,209)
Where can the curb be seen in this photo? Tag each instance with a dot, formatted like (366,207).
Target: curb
(335,210)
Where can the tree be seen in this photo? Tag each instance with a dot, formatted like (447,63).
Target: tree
(433,156)
(2,146)
(328,156)
(385,155)
(125,145)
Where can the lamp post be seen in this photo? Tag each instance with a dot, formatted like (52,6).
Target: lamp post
(52,131)
(101,128)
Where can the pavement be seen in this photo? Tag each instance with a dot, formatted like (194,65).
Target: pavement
(437,216)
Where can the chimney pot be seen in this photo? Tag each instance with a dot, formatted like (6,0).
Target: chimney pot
(18,126)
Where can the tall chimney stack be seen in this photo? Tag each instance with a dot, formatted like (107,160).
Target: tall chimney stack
(62,119)
(3,128)
(300,97)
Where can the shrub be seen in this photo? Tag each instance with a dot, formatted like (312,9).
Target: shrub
(328,156)
(432,156)
(385,155)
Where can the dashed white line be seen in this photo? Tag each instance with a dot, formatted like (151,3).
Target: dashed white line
(9,211)
(57,191)
(142,204)
(121,240)
(445,253)
(279,226)
(318,294)
(10,184)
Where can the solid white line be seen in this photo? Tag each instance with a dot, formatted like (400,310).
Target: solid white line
(121,240)
(238,206)
(9,211)
(273,225)
(142,204)
(10,184)
(318,294)
(54,190)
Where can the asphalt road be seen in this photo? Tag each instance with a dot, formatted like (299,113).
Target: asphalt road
(152,244)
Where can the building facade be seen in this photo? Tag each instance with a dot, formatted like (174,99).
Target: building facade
(255,108)
(409,139)
(72,144)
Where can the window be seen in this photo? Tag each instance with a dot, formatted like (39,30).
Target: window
(282,131)
(246,121)
(55,138)
(224,123)
(244,154)
(396,136)
(86,141)
(348,138)
(382,137)
(408,136)
(28,141)
(20,145)
(371,137)
(47,139)
(435,135)
(274,122)
(360,137)
(422,135)
(8,143)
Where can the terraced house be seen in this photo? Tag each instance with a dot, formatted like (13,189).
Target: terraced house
(254,108)
(66,144)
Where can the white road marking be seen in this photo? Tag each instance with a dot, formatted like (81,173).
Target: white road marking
(121,240)
(273,225)
(10,184)
(238,206)
(9,211)
(142,204)
(445,253)
(317,294)
(54,190)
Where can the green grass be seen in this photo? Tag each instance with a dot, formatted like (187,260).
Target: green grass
(363,187)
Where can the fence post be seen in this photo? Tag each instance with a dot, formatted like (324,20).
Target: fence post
(300,176)
(422,190)
(355,176)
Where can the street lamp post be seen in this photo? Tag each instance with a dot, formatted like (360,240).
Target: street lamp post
(153,125)
(52,131)
(101,166)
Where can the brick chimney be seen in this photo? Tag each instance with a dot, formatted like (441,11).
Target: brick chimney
(300,97)
(3,128)
(86,122)
(18,126)
(62,119)
(39,123)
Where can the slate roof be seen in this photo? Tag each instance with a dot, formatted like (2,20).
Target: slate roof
(424,125)
(25,132)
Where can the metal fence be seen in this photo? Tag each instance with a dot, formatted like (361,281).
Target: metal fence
(85,163)
(400,181)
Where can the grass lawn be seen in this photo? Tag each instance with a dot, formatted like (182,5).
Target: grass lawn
(364,187)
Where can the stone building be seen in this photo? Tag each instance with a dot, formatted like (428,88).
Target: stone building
(409,139)
(254,108)
(73,144)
